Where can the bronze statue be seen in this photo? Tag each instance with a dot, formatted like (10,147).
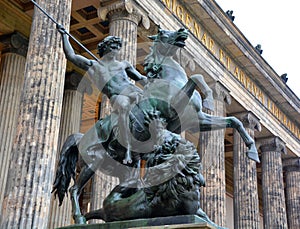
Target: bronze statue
(166,106)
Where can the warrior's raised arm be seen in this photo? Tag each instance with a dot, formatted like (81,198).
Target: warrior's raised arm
(78,60)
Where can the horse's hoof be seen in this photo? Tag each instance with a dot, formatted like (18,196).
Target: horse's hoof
(253,156)
(80,219)
(252,153)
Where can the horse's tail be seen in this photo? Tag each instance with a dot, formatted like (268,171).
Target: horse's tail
(66,167)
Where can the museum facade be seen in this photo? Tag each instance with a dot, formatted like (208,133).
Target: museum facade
(44,99)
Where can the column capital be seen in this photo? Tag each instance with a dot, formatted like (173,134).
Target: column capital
(15,43)
(76,81)
(271,144)
(291,165)
(185,60)
(123,9)
(220,93)
(249,120)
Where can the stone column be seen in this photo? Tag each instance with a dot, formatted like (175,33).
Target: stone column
(75,87)
(124,18)
(212,151)
(292,191)
(35,145)
(101,183)
(12,67)
(246,207)
(272,183)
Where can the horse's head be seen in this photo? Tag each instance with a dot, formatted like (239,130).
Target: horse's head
(167,42)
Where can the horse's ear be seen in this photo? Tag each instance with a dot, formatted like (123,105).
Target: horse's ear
(153,37)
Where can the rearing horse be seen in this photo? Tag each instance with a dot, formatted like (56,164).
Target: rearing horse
(160,66)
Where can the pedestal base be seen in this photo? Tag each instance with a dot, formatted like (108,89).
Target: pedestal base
(183,221)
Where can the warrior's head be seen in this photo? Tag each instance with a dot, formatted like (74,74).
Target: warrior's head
(109,44)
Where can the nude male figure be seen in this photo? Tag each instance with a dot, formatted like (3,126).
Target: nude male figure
(111,78)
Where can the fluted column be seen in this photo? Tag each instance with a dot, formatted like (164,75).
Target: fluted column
(292,191)
(102,184)
(124,18)
(12,67)
(75,87)
(246,207)
(213,161)
(272,183)
(35,146)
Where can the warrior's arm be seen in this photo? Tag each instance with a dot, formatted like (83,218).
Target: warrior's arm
(134,74)
(78,60)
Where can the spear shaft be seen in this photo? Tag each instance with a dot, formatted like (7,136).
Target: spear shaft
(71,36)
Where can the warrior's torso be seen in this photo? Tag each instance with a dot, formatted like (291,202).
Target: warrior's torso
(111,78)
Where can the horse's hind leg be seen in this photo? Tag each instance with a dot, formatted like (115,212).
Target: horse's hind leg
(237,124)
(85,175)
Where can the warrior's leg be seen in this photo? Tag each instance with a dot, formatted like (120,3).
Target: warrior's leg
(125,135)
(123,105)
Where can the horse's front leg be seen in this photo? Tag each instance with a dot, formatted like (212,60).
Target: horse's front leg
(208,101)
(237,124)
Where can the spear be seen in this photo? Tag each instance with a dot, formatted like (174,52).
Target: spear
(60,26)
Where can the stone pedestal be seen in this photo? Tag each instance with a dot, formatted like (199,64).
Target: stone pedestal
(35,146)
(183,221)
(12,67)
(292,191)
(246,208)
(75,87)
(213,161)
(272,183)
